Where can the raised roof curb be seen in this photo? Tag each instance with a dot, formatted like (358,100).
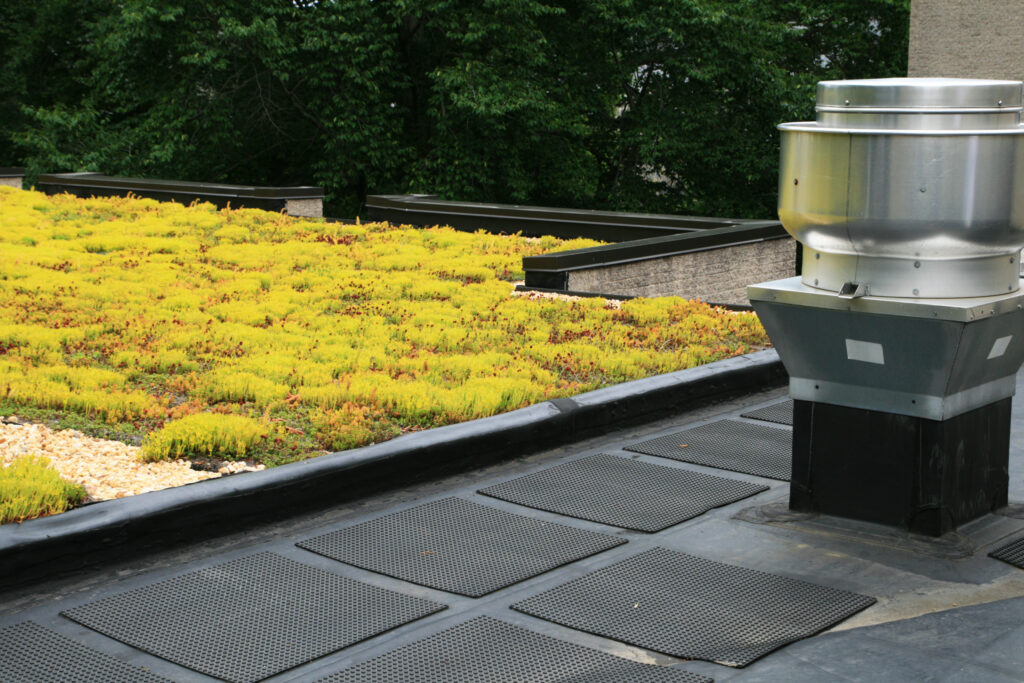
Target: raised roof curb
(537,221)
(302,200)
(41,548)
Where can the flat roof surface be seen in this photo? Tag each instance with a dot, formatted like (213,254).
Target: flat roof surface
(944,610)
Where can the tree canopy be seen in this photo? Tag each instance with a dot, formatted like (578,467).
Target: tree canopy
(641,105)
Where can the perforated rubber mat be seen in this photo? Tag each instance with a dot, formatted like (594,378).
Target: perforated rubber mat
(779,413)
(728,445)
(486,650)
(459,546)
(691,607)
(250,618)
(1012,553)
(623,492)
(30,653)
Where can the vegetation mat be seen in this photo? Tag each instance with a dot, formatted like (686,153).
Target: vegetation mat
(247,334)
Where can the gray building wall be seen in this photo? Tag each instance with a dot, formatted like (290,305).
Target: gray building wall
(967,39)
(719,276)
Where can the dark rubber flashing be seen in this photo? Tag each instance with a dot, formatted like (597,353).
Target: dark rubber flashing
(94,534)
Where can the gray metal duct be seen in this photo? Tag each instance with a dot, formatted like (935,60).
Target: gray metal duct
(908,197)
(908,187)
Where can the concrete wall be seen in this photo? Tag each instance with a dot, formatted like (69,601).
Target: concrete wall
(967,39)
(13,181)
(305,208)
(718,276)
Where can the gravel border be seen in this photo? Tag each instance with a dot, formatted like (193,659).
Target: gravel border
(48,546)
(107,469)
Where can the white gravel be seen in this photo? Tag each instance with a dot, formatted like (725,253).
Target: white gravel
(107,469)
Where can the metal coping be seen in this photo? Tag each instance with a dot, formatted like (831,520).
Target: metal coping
(30,653)
(100,182)
(486,650)
(459,546)
(11,172)
(252,617)
(539,220)
(623,492)
(757,449)
(694,608)
(657,247)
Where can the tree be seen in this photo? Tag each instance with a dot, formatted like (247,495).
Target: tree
(621,104)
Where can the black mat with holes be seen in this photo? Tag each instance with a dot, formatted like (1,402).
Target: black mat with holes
(1012,553)
(779,413)
(691,607)
(250,618)
(30,653)
(623,492)
(459,546)
(486,650)
(728,445)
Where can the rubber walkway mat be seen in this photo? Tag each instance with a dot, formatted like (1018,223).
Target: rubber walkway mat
(694,608)
(623,492)
(779,413)
(728,445)
(486,650)
(459,546)
(1012,553)
(250,618)
(30,653)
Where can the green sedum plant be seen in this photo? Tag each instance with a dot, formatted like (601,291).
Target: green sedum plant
(130,314)
(228,437)
(30,487)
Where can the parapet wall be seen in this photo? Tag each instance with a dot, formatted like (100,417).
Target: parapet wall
(719,275)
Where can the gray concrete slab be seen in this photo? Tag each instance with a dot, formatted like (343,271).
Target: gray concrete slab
(945,611)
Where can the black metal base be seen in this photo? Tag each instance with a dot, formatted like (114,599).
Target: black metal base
(926,476)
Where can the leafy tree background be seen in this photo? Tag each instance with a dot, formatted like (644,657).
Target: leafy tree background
(636,105)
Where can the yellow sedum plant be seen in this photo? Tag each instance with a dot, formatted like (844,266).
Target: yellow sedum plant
(209,435)
(136,313)
(30,487)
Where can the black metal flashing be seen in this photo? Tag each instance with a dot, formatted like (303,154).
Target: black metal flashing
(134,526)
(536,221)
(656,247)
(182,191)
(12,172)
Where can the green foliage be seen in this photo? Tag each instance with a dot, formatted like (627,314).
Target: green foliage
(211,435)
(621,104)
(30,487)
(332,334)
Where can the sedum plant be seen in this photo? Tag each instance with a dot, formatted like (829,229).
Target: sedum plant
(129,313)
(212,435)
(30,487)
